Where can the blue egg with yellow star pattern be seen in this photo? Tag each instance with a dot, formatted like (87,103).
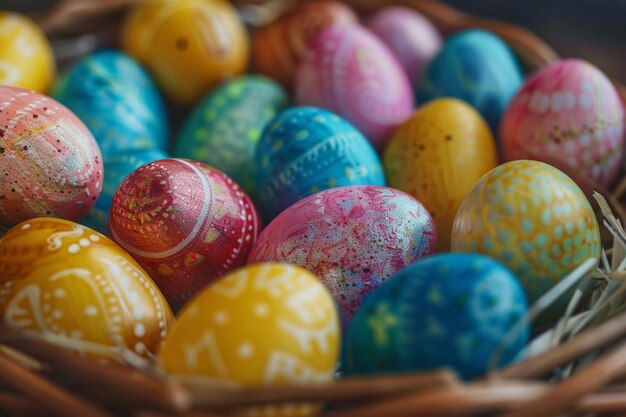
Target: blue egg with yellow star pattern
(447,310)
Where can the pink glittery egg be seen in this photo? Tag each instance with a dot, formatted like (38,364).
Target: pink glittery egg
(568,114)
(50,164)
(353,238)
(349,71)
(184,222)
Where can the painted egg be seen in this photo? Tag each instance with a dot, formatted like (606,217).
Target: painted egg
(412,38)
(79,289)
(117,100)
(116,168)
(262,325)
(305,150)
(437,156)
(353,238)
(475,66)
(50,164)
(278,47)
(352,73)
(449,310)
(571,113)
(225,127)
(185,222)
(190,46)
(26,58)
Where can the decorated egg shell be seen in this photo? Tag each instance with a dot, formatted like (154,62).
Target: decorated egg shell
(475,66)
(353,238)
(277,48)
(185,222)
(26,58)
(117,100)
(261,325)
(80,289)
(305,150)
(190,46)
(449,310)
(570,113)
(352,73)
(225,127)
(50,164)
(437,156)
(412,38)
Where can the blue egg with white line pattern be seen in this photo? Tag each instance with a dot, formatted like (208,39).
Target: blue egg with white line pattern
(447,310)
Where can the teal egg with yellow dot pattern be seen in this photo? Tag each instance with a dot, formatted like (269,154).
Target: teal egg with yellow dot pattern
(447,310)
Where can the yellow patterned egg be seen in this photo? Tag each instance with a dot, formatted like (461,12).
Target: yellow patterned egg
(79,289)
(262,325)
(437,156)
(26,58)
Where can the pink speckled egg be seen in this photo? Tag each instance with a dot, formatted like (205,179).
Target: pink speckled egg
(50,164)
(184,222)
(353,238)
(349,71)
(568,114)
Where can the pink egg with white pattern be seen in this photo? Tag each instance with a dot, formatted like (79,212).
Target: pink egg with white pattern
(570,115)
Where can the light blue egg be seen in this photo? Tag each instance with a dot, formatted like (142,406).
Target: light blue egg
(448,310)
(117,100)
(304,150)
(475,66)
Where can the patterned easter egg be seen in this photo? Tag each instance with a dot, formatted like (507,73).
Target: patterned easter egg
(262,325)
(80,290)
(477,67)
(571,113)
(449,310)
(50,164)
(185,222)
(26,58)
(353,238)
(224,129)
(352,73)
(117,100)
(189,45)
(305,150)
(437,156)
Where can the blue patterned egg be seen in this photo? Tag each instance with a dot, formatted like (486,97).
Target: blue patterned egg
(448,310)
(477,67)
(225,127)
(305,150)
(117,100)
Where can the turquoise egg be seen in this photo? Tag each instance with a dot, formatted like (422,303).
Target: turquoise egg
(304,150)
(223,130)
(117,100)
(447,310)
(475,66)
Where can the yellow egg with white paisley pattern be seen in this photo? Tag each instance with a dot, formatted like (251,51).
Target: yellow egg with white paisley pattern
(262,325)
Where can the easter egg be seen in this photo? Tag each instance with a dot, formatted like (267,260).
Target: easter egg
(412,38)
(352,73)
(184,222)
(571,113)
(305,150)
(437,156)
(476,67)
(50,164)
(80,290)
(190,46)
(278,47)
(352,238)
(26,58)
(449,310)
(260,326)
(225,127)
(117,100)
